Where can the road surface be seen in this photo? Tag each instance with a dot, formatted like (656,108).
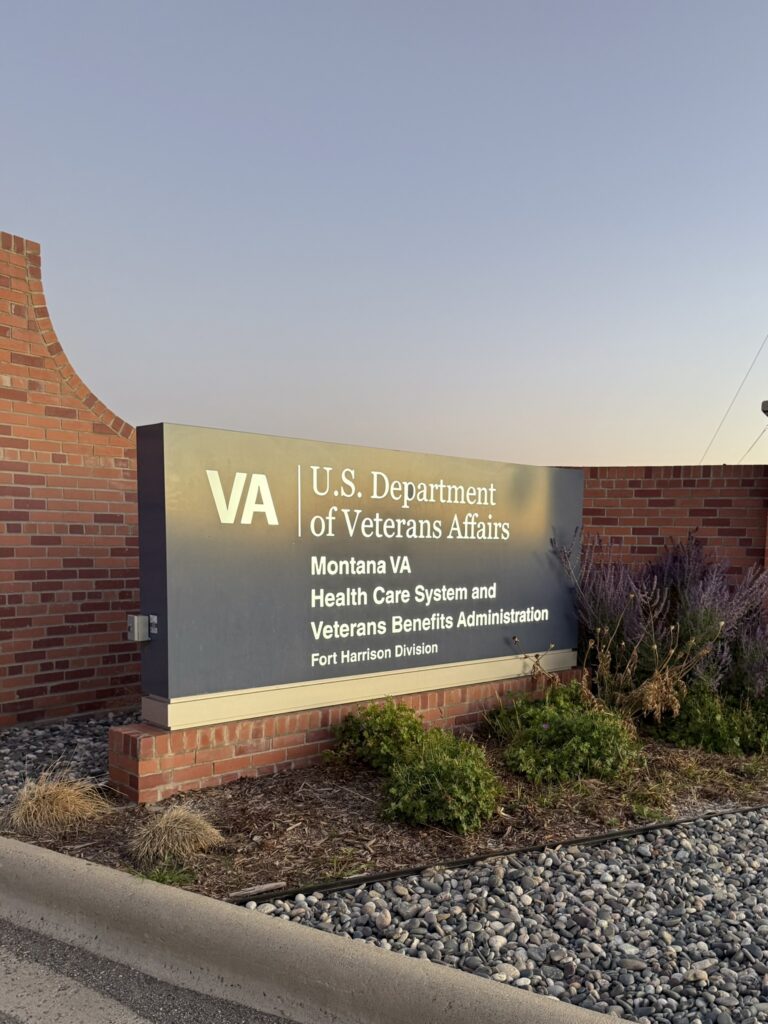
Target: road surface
(47,982)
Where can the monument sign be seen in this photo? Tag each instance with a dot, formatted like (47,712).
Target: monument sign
(281,574)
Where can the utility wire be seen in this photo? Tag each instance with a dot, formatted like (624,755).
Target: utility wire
(738,391)
(746,453)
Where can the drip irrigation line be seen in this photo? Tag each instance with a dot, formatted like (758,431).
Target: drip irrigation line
(738,392)
(334,884)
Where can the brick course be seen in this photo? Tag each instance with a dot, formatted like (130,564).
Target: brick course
(68,519)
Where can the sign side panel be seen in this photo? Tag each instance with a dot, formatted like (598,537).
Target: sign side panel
(152,556)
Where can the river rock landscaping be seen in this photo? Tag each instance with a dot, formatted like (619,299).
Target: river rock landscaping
(79,744)
(671,925)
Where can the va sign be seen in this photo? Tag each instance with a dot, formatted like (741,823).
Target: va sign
(290,574)
(259,498)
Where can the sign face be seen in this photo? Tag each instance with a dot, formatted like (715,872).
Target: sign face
(270,561)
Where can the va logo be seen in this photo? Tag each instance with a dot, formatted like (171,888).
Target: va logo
(258,498)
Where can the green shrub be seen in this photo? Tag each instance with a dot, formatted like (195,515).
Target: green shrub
(717,724)
(504,721)
(443,780)
(434,778)
(379,735)
(565,736)
(649,632)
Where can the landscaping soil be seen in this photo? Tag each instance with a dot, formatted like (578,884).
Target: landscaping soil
(303,827)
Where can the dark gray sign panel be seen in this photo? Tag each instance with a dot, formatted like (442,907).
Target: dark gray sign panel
(272,561)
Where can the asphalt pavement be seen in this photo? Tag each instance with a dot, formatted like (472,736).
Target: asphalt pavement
(47,982)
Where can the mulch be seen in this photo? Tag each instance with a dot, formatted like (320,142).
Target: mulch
(325,822)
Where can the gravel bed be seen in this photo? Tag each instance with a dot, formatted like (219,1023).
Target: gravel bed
(79,745)
(671,925)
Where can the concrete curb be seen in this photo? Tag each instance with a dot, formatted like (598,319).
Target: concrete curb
(251,959)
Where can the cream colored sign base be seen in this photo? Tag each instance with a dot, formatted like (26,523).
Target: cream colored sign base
(237,705)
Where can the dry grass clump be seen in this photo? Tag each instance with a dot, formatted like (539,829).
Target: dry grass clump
(55,803)
(172,837)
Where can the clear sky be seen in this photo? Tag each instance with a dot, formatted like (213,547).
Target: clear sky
(528,231)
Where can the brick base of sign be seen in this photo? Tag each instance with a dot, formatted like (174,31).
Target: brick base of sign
(148,764)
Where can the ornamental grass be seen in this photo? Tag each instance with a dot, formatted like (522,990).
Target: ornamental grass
(55,803)
(172,837)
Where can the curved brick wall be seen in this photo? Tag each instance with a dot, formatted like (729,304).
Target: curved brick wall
(68,519)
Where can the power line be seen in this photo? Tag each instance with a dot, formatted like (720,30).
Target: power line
(746,453)
(738,391)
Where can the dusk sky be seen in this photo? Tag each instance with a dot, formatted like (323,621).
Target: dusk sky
(527,231)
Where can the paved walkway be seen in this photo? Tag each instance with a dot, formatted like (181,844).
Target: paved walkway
(47,982)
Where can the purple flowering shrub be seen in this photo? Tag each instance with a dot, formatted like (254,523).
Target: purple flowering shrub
(709,609)
(748,669)
(649,632)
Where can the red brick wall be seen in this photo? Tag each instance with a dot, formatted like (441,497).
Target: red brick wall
(68,519)
(643,508)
